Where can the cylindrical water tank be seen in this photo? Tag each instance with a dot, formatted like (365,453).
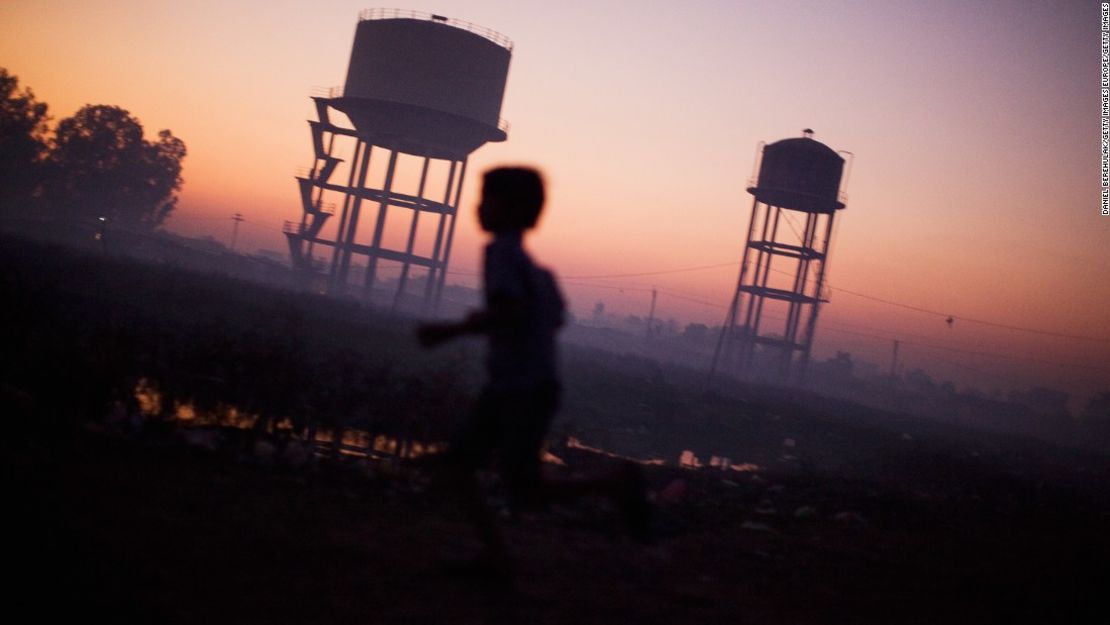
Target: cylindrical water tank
(802,174)
(426,81)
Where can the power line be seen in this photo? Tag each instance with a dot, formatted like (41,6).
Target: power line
(973,320)
(670,293)
(262,226)
(839,327)
(946,315)
(829,325)
(973,352)
(840,289)
(194,218)
(862,295)
(650,273)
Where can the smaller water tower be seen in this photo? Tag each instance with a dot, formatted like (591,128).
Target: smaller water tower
(771,322)
(422,93)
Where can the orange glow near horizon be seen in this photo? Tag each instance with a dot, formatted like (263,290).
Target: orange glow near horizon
(974,129)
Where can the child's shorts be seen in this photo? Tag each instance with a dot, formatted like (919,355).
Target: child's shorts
(513,423)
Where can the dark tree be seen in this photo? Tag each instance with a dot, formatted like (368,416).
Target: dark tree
(100,166)
(22,143)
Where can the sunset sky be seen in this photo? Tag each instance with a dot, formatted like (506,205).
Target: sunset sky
(974,128)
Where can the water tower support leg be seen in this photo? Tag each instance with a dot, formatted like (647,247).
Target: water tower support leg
(433,271)
(403,280)
(450,236)
(725,341)
(337,251)
(811,323)
(356,210)
(746,345)
(761,283)
(379,225)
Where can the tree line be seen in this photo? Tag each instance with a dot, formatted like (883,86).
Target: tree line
(93,165)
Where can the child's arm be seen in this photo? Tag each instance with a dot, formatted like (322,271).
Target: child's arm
(432,334)
(501,312)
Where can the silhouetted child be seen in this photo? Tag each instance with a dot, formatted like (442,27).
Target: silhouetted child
(523,312)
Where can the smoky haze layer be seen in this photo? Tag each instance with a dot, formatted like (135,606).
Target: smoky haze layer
(866,514)
(104,323)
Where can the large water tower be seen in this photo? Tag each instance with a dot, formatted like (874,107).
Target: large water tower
(771,321)
(422,93)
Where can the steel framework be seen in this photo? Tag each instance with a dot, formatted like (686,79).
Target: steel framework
(786,353)
(305,235)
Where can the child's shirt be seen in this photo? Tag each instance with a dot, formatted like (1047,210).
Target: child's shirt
(522,354)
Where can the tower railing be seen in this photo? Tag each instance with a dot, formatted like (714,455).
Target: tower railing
(336,92)
(326,92)
(482,31)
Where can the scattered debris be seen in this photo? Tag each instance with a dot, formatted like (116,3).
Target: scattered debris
(689,460)
(757,527)
(720,463)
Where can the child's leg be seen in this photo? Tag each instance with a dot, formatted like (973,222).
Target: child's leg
(470,452)
(624,485)
(528,416)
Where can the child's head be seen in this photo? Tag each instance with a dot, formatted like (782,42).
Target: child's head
(512,198)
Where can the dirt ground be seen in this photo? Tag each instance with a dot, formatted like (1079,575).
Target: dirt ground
(846,515)
(155,531)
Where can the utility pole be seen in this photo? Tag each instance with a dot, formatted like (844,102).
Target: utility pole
(651,313)
(237,217)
